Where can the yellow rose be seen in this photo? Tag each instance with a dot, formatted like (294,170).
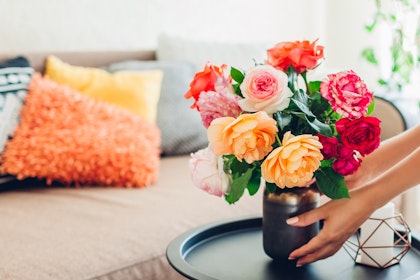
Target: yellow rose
(248,137)
(294,163)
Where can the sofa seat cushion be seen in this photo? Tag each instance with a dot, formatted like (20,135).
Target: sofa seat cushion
(106,233)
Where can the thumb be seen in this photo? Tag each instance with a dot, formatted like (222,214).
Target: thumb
(306,219)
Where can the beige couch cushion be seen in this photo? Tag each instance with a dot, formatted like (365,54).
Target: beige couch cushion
(105,233)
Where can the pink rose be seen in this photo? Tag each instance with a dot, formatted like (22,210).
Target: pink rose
(347,162)
(329,146)
(362,135)
(207,172)
(216,105)
(265,89)
(347,94)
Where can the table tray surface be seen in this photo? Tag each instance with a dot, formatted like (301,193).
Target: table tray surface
(232,249)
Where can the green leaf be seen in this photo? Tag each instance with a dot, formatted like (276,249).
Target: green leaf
(271,187)
(316,125)
(237,75)
(237,90)
(327,163)
(331,183)
(369,55)
(303,106)
(320,106)
(238,186)
(302,97)
(283,119)
(314,86)
(254,182)
(371,107)
(320,127)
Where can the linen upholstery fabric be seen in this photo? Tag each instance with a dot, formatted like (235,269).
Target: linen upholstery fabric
(199,52)
(15,76)
(106,233)
(181,127)
(135,91)
(67,137)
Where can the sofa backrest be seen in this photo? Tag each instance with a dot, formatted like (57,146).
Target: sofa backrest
(91,59)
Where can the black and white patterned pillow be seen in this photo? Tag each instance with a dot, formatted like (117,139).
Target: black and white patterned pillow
(15,76)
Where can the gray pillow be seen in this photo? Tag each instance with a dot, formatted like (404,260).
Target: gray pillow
(181,128)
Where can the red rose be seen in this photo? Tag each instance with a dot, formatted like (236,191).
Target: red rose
(302,55)
(203,81)
(329,146)
(347,162)
(362,134)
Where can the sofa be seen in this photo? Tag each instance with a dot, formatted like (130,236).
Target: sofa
(60,230)
(65,226)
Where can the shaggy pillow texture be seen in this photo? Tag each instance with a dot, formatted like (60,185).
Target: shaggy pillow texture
(137,91)
(67,137)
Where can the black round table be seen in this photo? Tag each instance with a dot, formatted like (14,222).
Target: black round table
(232,249)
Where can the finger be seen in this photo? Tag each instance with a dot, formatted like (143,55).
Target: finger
(307,218)
(323,253)
(312,246)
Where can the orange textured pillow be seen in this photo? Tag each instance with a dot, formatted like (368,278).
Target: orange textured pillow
(67,137)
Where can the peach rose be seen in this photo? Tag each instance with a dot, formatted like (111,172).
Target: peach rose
(248,137)
(265,89)
(301,55)
(294,163)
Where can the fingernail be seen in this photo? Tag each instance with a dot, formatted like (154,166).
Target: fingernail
(292,221)
(298,264)
(291,258)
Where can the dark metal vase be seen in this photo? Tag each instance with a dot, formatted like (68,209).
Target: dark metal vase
(279,238)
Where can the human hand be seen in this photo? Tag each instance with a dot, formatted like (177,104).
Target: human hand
(341,217)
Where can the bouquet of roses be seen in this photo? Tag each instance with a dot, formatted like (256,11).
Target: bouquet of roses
(269,126)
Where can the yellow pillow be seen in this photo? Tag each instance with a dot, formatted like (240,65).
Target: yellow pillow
(137,91)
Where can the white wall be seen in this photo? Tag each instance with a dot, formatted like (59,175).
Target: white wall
(52,25)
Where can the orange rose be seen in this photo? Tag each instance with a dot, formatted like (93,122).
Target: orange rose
(294,163)
(203,81)
(248,137)
(302,55)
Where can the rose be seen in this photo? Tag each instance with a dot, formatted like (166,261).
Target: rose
(347,94)
(248,137)
(362,135)
(301,55)
(207,172)
(204,81)
(347,162)
(265,89)
(293,164)
(218,104)
(329,146)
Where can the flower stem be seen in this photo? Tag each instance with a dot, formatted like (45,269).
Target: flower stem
(278,139)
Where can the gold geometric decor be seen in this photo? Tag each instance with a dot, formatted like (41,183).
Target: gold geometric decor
(380,242)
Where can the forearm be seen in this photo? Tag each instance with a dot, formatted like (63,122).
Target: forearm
(395,181)
(390,152)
